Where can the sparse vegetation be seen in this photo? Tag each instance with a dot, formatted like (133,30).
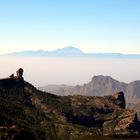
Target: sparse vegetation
(28,112)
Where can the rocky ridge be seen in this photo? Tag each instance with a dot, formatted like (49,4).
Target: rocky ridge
(29,113)
(98,86)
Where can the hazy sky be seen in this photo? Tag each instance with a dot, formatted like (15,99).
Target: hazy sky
(91,25)
(41,71)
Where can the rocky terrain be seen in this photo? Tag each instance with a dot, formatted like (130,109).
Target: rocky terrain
(98,86)
(27,113)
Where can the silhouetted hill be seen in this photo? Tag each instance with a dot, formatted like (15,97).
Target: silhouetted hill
(64,52)
(98,86)
(27,113)
(73,52)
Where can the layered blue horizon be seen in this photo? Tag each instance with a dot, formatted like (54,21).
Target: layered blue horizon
(72,52)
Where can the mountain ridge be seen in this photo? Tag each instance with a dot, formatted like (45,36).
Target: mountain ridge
(98,86)
(72,52)
(27,113)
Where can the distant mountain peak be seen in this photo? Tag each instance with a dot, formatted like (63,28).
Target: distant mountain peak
(69,49)
(101,77)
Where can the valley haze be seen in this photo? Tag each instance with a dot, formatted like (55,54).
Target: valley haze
(70,66)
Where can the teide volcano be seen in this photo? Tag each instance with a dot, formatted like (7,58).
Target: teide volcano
(73,52)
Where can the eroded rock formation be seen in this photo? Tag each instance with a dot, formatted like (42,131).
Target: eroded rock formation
(12,80)
(120,99)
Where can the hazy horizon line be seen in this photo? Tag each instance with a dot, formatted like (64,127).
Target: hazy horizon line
(84,52)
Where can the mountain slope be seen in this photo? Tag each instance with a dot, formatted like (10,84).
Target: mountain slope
(37,115)
(27,113)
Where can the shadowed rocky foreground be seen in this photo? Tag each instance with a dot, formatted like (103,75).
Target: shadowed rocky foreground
(27,113)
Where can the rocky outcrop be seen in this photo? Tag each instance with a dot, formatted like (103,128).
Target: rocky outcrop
(107,113)
(119,96)
(122,123)
(19,78)
(19,74)
(13,81)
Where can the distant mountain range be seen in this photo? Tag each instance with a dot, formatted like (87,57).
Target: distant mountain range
(98,86)
(72,52)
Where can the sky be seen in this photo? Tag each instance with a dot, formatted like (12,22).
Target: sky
(90,25)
